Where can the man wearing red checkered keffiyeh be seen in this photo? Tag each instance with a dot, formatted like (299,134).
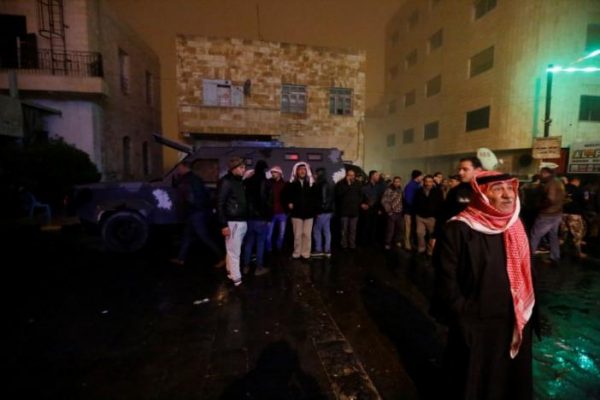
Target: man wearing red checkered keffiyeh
(484,292)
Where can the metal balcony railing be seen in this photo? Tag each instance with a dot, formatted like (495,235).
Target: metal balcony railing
(67,63)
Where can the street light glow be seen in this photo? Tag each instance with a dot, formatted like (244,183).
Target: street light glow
(558,68)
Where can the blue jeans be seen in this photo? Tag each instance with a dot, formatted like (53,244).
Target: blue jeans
(322,229)
(280,220)
(256,235)
(542,225)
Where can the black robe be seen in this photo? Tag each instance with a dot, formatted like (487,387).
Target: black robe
(472,296)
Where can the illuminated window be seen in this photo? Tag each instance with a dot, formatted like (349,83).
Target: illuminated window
(293,99)
(291,157)
(478,119)
(481,62)
(431,131)
(482,7)
(391,140)
(408,136)
(124,71)
(435,41)
(589,108)
(411,59)
(434,86)
(340,101)
(592,40)
(410,98)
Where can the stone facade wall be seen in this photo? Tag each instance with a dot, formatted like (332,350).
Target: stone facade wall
(268,65)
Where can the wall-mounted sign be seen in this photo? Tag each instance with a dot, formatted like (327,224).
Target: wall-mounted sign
(584,158)
(547,147)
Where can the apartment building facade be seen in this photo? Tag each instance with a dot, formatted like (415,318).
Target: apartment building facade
(232,90)
(461,75)
(100,79)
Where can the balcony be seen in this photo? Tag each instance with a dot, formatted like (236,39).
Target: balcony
(65,71)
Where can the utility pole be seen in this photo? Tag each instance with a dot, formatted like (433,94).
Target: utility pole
(547,120)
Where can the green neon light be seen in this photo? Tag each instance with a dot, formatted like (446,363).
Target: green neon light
(592,54)
(558,68)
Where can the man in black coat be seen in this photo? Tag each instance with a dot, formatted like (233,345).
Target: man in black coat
(484,293)
(348,196)
(299,197)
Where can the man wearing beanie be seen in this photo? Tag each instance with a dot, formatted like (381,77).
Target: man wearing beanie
(484,293)
(232,213)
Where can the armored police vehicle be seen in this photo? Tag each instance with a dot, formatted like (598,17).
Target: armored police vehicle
(125,212)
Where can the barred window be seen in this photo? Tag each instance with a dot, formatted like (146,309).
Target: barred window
(481,62)
(293,99)
(408,136)
(340,101)
(478,119)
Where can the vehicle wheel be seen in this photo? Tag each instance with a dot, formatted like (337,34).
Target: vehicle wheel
(125,232)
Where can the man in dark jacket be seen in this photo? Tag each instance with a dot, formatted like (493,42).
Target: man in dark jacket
(233,214)
(258,196)
(484,293)
(410,190)
(371,207)
(324,204)
(279,221)
(348,196)
(428,202)
(197,207)
(573,210)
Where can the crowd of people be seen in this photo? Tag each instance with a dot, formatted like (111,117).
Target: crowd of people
(478,228)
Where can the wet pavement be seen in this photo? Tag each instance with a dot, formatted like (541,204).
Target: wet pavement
(87,324)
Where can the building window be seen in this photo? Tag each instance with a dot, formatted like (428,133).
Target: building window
(431,131)
(408,136)
(124,71)
(395,38)
(149,89)
(411,59)
(434,86)
(392,107)
(340,101)
(481,62)
(145,159)
(482,7)
(410,98)
(413,20)
(393,73)
(221,93)
(126,156)
(478,119)
(435,41)
(391,140)
(592,39)
(293,99)
(589,108)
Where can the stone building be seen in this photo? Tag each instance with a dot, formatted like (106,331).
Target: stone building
(239,90)
(75,57)
(467,74)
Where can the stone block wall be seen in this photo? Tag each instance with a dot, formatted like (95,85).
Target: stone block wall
(268,65)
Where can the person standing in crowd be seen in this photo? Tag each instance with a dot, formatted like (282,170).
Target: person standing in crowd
(459,196)
(324,205)
(371,206)
(258,198)
(428,202)
(573,210)
(279,221)
(410,190)
(300,201)
(348,196)
(551,199)
(392,204)
(233,214)
(196,205)
(438,178)
(484,292)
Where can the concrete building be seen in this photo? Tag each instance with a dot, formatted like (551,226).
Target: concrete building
(241,90)
(466,74)
(75,57)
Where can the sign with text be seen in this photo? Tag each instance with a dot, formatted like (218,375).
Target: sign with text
(547,147)
(584,158)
